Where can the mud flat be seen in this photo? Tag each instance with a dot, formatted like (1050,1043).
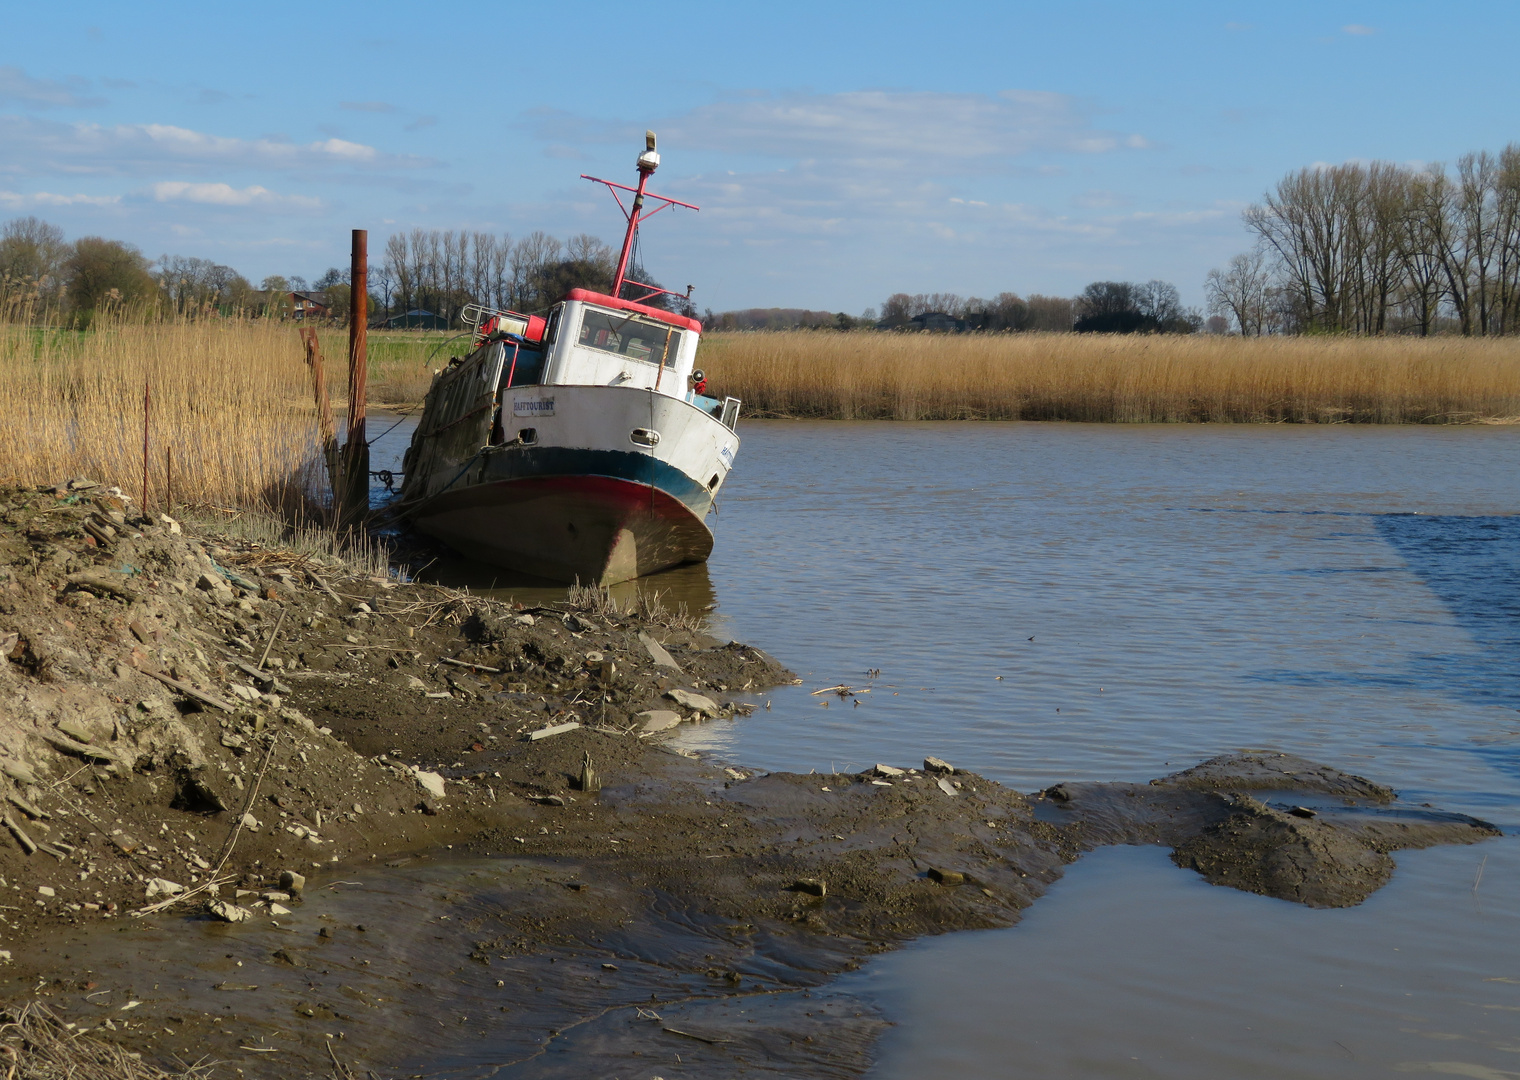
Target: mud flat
(267,811)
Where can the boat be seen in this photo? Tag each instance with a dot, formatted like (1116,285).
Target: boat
(578,444)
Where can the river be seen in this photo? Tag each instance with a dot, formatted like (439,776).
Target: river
(1053,602)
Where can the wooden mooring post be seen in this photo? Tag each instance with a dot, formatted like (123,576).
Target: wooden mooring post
(356,449)
(318,365)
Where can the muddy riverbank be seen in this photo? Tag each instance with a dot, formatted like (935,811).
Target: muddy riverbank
(196,717)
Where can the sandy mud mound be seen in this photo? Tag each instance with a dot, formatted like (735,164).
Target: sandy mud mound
(1273,824)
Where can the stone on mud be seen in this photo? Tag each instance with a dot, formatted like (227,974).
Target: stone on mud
(811,886)
(654,720)
(163,887)
(18,771)
(938,765)
(429,782)
(228,911)
(657,652)
(694,701)
(76,729)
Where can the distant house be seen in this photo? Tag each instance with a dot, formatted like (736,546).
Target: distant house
(308,305)
(937,322)
(417,319)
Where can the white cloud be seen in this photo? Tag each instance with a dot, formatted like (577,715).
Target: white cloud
(227,195)
(1097,199)
(1358,30)
(16,200)
(925,130)
(17,85)
(33,147)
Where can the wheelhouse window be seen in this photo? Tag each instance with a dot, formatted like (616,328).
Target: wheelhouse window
(640,339)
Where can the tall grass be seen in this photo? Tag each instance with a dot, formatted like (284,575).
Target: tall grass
(1132,379)
(231,402)
(402,362)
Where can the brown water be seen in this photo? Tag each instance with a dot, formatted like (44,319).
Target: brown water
(1057,602)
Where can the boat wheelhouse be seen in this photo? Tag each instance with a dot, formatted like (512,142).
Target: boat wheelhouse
(576,445)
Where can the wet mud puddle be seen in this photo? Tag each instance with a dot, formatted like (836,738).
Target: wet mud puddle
(390,971)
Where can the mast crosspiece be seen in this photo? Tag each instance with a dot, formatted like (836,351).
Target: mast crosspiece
(648,162)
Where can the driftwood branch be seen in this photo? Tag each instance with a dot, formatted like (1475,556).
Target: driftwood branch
(187,689)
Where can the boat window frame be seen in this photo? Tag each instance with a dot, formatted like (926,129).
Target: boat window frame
(674,336)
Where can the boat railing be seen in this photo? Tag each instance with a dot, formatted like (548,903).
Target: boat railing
(490,323)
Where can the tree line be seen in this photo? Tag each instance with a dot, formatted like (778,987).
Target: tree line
(1380,248)
(437,271)
(1121,307)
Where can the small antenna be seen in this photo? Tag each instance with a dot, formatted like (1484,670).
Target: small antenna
(649,140)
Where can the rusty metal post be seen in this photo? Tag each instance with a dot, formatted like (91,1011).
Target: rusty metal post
(147,404)
(356,472)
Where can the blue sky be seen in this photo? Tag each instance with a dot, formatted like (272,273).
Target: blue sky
(839,152)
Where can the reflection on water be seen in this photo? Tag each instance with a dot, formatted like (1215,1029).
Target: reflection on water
(1052,602)
(683,586)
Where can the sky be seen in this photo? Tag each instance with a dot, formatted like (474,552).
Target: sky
(839,152)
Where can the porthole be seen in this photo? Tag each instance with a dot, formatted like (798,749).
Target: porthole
(641,436)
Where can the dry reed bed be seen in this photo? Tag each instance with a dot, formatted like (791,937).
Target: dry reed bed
(1132,379)
(230,400)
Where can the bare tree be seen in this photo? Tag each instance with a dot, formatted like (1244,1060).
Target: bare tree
(32,257)
(1242,291)
(530,256)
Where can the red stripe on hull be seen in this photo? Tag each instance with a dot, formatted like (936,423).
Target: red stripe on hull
(594,529)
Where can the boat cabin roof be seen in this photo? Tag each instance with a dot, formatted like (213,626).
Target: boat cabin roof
(603,300)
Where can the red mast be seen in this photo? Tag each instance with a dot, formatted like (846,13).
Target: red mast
(648,162)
